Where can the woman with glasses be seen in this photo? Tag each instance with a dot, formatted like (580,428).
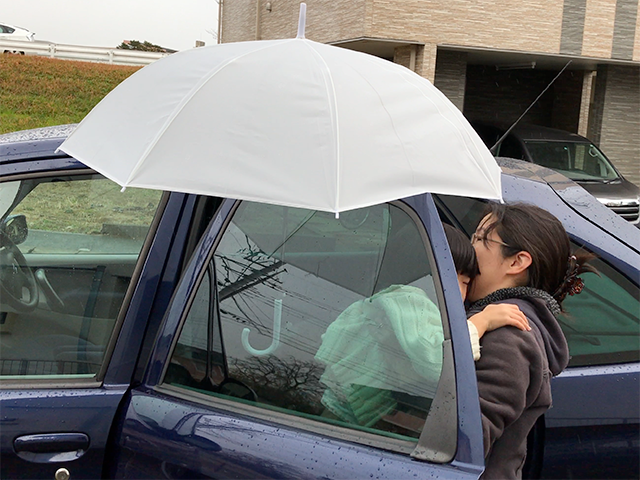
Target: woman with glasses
(525,259)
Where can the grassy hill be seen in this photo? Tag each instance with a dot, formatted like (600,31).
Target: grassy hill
(39,91)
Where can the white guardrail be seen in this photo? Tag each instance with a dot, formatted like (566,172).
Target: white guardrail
(114,56)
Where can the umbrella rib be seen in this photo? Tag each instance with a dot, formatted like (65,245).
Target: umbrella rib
(189,96)
(331,94)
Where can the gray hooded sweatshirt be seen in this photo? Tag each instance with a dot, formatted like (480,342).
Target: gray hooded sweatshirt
(514,377)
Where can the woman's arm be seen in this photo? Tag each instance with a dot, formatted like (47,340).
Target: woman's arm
(506,383)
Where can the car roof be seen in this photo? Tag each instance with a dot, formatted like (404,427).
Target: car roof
(571,193)
(527,131)
(537,132)
(14,26)
(43,142)
(33,143)
(534,172)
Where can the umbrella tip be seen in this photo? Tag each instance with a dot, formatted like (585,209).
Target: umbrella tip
(302,20)
(123,189)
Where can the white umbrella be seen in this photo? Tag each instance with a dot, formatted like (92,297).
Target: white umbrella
(289,122)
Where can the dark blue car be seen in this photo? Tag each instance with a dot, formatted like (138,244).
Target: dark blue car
(162,335)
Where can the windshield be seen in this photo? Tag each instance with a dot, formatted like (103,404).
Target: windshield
(578,161)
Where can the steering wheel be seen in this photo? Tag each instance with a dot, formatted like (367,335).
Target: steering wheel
(16,277)
(235,388)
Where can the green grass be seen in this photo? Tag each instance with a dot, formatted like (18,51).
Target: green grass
(85,206)
(41,92)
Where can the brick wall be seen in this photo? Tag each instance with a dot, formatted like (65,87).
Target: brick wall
(598,28)
(593,28)
(450,76)
(238,20)
(525,25)
(567,98)
(326,20)
(616,111)
(489,23)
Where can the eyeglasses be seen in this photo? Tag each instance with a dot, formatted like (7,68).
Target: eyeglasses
(478,238)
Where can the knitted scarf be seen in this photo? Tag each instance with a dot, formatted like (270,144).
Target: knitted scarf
(519,292)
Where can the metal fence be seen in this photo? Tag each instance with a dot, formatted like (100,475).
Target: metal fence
(113,56)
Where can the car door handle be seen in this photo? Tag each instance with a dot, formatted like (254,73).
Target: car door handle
(51,447)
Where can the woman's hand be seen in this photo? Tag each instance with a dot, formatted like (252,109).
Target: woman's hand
(499,315)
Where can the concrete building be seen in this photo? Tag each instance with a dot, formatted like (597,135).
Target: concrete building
(492,58)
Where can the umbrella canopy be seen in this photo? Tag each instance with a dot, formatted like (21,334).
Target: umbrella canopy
(288,122)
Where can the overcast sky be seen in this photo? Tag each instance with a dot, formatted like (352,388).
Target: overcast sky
(175,24)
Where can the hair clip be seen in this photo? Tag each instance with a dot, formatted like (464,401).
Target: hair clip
(576,286)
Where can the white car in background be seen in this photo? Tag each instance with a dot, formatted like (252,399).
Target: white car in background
(10,32)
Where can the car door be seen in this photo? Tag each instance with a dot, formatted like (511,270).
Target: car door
(283,354)
(592,429)
(81,263)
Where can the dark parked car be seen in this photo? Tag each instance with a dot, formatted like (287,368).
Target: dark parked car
(572,155)
(152,334)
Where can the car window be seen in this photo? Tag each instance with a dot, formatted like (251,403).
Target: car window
(510,147)
(601,324)
(578,161)
(68,248)
(334,320)
(91,216)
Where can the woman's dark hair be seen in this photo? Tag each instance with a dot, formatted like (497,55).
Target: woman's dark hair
(553,268)
(463,253)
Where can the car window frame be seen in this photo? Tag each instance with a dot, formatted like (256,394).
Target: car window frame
(97,380)
(443,402)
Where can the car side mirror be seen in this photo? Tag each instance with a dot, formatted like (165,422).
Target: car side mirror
(15,228)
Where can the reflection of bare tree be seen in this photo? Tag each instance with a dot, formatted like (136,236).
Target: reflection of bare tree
(285,382)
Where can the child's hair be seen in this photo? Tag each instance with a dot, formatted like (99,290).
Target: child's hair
(463,253)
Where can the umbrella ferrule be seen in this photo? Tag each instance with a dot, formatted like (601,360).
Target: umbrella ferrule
(302,20)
